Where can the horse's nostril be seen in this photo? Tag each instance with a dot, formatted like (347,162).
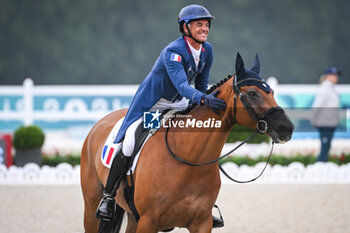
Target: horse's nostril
(284,132)
(282,129)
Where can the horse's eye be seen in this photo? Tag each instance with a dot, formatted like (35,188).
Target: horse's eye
(252,94)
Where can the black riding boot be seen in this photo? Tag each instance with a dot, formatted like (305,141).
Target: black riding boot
(118,168)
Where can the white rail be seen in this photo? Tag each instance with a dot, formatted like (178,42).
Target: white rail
(74,109)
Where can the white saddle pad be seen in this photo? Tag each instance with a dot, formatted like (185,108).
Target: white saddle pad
(110,148)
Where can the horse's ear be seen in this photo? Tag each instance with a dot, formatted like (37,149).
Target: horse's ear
(256,67)
(239,65)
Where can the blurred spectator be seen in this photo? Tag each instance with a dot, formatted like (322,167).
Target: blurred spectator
(325,116)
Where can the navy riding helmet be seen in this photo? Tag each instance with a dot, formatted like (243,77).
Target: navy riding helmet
(190,13)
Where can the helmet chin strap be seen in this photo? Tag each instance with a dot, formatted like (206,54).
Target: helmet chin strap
(190,35)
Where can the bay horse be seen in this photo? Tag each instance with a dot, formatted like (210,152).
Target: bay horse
(168,193)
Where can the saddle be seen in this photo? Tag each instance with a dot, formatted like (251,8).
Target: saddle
(141,134)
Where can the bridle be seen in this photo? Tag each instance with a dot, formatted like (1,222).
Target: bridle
(260,119)
(261,127)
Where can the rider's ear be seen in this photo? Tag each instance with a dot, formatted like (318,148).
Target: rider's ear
(185,28)
(239,65)
(256,66)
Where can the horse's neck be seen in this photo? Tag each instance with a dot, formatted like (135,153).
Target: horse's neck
(206,143)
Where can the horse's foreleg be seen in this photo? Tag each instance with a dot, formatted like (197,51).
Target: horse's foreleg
(132,224)
(203,225)
(145,225)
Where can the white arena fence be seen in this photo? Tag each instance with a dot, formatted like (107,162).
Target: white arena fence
(70,107)
(295,173)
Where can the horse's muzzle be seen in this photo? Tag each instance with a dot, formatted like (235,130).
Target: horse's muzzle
(280,127)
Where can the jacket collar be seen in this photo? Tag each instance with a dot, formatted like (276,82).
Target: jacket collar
(188,47)
(193,64)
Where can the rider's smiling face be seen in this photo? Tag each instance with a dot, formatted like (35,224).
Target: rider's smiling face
(199,29)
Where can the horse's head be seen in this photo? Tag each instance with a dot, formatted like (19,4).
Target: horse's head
(255,106)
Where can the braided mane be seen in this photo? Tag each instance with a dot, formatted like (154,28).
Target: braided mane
(218,84)
(210,90)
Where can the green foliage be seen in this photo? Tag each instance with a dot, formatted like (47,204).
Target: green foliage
(342,159)
(28,137)
(240,133)
(239,160)
(57,159)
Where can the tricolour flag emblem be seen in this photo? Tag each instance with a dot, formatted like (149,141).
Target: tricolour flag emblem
(107,154)
(175,57)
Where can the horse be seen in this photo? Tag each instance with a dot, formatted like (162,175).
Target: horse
(169,193)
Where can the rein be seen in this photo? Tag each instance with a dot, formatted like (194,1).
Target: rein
(179,159)
(211,161)
(261,127)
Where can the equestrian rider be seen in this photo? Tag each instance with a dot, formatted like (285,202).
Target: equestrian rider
(189,58)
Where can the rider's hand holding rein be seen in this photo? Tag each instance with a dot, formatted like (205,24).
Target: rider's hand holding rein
(212,102)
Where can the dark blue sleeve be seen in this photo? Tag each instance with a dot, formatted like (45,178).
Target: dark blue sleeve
(177,74)
(202,80)
(145,97)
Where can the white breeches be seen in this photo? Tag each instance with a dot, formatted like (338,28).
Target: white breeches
(161,105)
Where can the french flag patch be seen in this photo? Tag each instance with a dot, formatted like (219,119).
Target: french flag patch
(108,154)
(175,57)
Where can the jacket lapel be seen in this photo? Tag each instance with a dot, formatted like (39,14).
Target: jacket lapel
(202,60)
(192,64)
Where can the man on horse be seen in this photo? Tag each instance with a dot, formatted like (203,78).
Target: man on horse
(187,59)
